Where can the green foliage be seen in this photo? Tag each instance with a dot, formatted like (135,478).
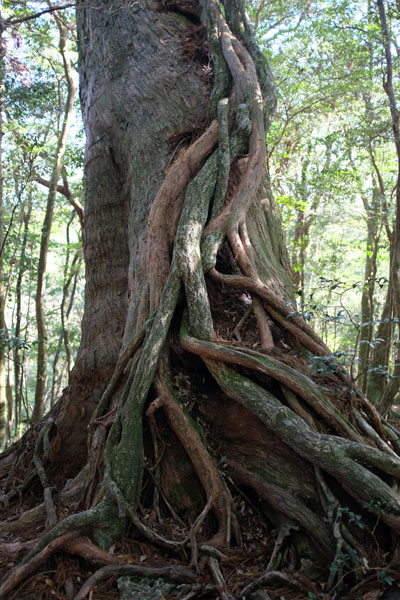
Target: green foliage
(376,506)
(342,562)
(352,517)
(385,579)
(12,342)
(330,155)
(35,92)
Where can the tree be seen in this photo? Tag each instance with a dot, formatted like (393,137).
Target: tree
(194,372)
(3,426)
(37,81)
(330,66)
(47,223)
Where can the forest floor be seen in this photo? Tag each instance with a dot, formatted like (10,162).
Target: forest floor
(62,575)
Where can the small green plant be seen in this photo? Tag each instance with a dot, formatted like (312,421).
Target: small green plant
(342,559)
(377,506)
(384,578)
(12,342)
(353,517)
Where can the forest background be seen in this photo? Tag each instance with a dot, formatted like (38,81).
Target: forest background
(333,168)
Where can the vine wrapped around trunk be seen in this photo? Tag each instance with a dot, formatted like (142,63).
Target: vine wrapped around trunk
(193,373)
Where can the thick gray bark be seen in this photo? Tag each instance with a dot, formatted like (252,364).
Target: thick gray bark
(127,152)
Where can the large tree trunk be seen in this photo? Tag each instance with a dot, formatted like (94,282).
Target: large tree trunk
(193,367)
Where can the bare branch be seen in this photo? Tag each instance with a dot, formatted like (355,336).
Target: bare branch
(9,22)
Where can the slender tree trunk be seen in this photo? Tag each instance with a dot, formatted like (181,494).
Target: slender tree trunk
(9,393)
(46,228)
(377,379)
(23,265)
(71,273)
(300,238)
(379,366)
(388,86)
(367,296)
(3,405)
(305,216)
(18,350)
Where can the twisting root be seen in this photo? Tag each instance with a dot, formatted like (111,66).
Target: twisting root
(247,86)
(42,445)
(21,572)
(218,495)
(283,314)
(343,458)
(125,509)
(119,369)
(206,184)
(71,524)
(295,381)
(174,573)
(294,509)
(176,179)
(219,579)
(271,577)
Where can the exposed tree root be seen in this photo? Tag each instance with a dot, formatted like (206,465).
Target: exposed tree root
(298,383)
(287,580)
(125,510)
(90,552)
(368,583)
(218,496)
(119,369)
(175,573)
(42,445)
(21,572)
(219,579)
(284,502)
(176,180)
(73,523)
(283,314)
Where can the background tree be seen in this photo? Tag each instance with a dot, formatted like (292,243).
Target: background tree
(329,60)
(3,426)
(47,223)
(36,88)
